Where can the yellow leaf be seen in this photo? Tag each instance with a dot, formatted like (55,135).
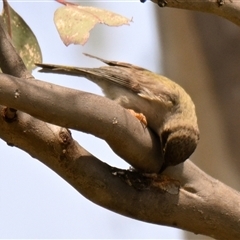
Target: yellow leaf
(74,22)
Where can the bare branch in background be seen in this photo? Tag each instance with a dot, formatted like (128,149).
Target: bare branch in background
(227,9)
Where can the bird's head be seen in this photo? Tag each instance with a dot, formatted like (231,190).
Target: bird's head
(178,144)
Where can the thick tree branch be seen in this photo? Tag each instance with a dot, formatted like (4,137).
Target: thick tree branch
(228,9)
(199,207)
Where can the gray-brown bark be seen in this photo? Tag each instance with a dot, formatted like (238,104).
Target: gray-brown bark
(227,9)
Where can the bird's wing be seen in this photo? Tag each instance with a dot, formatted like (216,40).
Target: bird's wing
(143,82)
(158,88)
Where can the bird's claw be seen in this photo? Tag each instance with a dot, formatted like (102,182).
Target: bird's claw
(139,116)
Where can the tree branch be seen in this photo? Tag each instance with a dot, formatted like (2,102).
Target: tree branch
(171,199)
(228,9)
(200,197)
(88,113)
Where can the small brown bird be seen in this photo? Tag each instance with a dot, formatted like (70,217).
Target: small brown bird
(156,100)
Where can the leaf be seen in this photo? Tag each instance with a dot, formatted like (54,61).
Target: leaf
(22,36)
(106,17)
(74,22)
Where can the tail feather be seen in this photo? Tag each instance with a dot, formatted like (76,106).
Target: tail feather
(59,69)
(113,74)
(114,63)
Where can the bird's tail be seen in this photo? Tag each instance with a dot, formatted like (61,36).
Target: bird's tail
(67,70)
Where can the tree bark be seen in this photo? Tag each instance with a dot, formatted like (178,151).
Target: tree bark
(227,9)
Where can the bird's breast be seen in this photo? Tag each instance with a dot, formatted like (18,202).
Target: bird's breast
(154,111)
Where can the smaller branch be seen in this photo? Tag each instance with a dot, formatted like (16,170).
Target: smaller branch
(88,113)
(228,9)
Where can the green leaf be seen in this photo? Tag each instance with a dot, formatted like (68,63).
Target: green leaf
(74,22)
(22,36)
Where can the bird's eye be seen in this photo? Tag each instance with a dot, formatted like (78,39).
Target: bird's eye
(143,1)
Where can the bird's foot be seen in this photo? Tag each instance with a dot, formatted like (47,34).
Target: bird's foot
(139,116)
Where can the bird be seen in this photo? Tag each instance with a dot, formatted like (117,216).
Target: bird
(158,102)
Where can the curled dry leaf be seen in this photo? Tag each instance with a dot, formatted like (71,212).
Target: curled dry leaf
(74,22)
